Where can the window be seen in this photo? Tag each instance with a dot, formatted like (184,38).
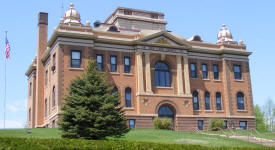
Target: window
(162,74)
(99,61)
(75,59)
(218,101)
(225,124)
(46,107)
(30,89)
(132,123)
(53,124)
(195,100)
(30,114)
(127,64)
(53,67)
(113,29)
(128,97)
(204,71)
(243,125)
(193,69)
(237,72)
(46,77)
(200,124)
(127,12)
(240,101)
(216,71)
(113,63)
(53,96)
(114,90)
(207,100)
(154,16)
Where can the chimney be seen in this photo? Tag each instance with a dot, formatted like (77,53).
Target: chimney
(41,48)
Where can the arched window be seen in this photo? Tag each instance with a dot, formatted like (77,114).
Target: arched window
(195,100)
(166,112)
(46,108)
(162,74)
(114,90)
(53,96)
(218,101)
(128,97)
(113,29)
(240,100)
(207,100)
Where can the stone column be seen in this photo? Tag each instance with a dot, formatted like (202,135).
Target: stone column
(186,76)
(179,75)
(140,74)
(148,74)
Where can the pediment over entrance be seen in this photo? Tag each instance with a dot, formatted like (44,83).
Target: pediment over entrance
(165,38)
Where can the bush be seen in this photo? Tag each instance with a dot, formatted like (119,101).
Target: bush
(163,123)
(216,124)
(7,143)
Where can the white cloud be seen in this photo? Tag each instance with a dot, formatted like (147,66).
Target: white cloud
(16,106)
(12,124)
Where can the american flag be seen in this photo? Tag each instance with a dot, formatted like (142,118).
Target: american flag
(7,50)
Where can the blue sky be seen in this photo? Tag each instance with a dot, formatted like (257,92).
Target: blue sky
(250,21)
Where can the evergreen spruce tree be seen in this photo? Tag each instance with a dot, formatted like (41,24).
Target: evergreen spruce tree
(90,111)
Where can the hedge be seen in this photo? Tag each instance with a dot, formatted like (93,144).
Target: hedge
(81,144)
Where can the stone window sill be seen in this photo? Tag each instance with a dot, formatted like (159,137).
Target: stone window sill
(164,87)
(198,110)
(115,73)
(128,74)
(76,69)
(219,111)
(217,80)
(129,108)
(208,110)
(206,79)
(239,80)
(242,110)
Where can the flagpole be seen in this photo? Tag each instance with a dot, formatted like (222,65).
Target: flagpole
(5,89)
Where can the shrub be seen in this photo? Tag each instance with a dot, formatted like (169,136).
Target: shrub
(163,123)
(216,124)
(90,111)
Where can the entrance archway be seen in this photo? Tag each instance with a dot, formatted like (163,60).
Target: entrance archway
(166,111)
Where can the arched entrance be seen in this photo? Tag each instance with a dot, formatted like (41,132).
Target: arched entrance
(166,111)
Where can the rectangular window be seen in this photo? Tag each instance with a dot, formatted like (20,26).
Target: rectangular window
(200,124)
(53,97)
(243,125)
(193,69)
(132,124)
(237,72)
(30,115)
(216,71)
(99,61)
(113,63)
(75,59)
(46,77)
(225,124)
(30,90)
(204,71)
(53,67)
(46,107)
(127,64)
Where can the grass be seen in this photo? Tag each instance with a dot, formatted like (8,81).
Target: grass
(144,135)
(251,133)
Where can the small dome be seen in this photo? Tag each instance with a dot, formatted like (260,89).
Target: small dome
(224,35)
(71,16)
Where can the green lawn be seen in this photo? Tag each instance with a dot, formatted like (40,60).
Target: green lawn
(251,133)
(148,135)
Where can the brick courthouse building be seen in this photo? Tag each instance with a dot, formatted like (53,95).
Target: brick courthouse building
(156,72)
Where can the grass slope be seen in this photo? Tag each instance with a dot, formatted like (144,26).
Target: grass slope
(144,135)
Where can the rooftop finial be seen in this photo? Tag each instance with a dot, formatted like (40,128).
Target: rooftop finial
(72,5)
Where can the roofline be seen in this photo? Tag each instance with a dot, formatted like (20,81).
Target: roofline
(137,10)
